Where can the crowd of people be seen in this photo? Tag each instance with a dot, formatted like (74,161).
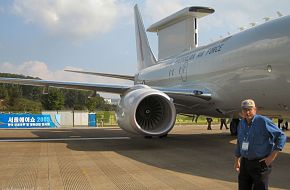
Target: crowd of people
(223,122)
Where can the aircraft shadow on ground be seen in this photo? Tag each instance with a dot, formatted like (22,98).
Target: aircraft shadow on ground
(205,155)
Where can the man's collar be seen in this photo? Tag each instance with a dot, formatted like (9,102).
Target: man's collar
(249,124)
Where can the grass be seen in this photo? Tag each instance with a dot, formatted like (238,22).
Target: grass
(109,119)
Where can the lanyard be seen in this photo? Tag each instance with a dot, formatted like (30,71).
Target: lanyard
(245,143)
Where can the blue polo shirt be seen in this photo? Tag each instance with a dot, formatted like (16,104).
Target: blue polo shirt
(262,135)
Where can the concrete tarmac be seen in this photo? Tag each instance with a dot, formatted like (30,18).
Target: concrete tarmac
(108,158)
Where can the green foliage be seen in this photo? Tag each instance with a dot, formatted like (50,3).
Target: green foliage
(75,99)
(57,99)
(182,119)
(95,103)
(3,92)
(109,117)
(54,100)
(25,105)
(106,117)
(3,105)
(14,93)
(32,92)
(92,104)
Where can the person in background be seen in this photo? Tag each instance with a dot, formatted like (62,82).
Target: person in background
(285,126)
(209,120)
(223,123)
(280,121)
(258,143)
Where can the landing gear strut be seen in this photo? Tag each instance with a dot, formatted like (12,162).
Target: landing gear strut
(161,137)
(234,126)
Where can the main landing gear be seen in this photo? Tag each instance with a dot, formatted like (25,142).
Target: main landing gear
(161,137)
(234,126)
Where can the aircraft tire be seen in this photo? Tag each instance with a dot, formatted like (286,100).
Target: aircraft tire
(234,127)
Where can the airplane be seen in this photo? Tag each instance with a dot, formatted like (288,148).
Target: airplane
(209,80)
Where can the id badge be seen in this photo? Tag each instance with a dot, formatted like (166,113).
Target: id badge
(245,145)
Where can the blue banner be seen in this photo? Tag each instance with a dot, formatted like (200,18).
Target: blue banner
(26,121)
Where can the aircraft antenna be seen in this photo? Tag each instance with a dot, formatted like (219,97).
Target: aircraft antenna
(241,28)
(253,24)
(279,14)
(267,19)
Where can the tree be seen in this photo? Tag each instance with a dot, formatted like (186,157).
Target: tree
(92,104)
(3,92)
(31,92)
(54,100)
(14,92)
(25,105)
(3,105)
(15,97)
(76,99)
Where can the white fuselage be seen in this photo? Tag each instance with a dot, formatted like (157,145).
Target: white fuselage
(251,64)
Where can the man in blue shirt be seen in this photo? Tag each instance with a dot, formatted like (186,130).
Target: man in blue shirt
(258,143)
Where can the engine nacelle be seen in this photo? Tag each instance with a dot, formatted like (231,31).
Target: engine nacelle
(145,111)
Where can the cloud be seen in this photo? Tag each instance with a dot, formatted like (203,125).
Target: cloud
(76,19)
(160,9)
(30,68)
(41,70)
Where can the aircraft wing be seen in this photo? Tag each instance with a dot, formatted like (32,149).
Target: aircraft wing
(117,89)
(125,77)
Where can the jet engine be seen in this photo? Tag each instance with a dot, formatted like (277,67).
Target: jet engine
(146,111)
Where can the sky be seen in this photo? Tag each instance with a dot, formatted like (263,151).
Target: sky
(42,38)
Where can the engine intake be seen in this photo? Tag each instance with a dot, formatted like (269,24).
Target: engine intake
(146,111)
